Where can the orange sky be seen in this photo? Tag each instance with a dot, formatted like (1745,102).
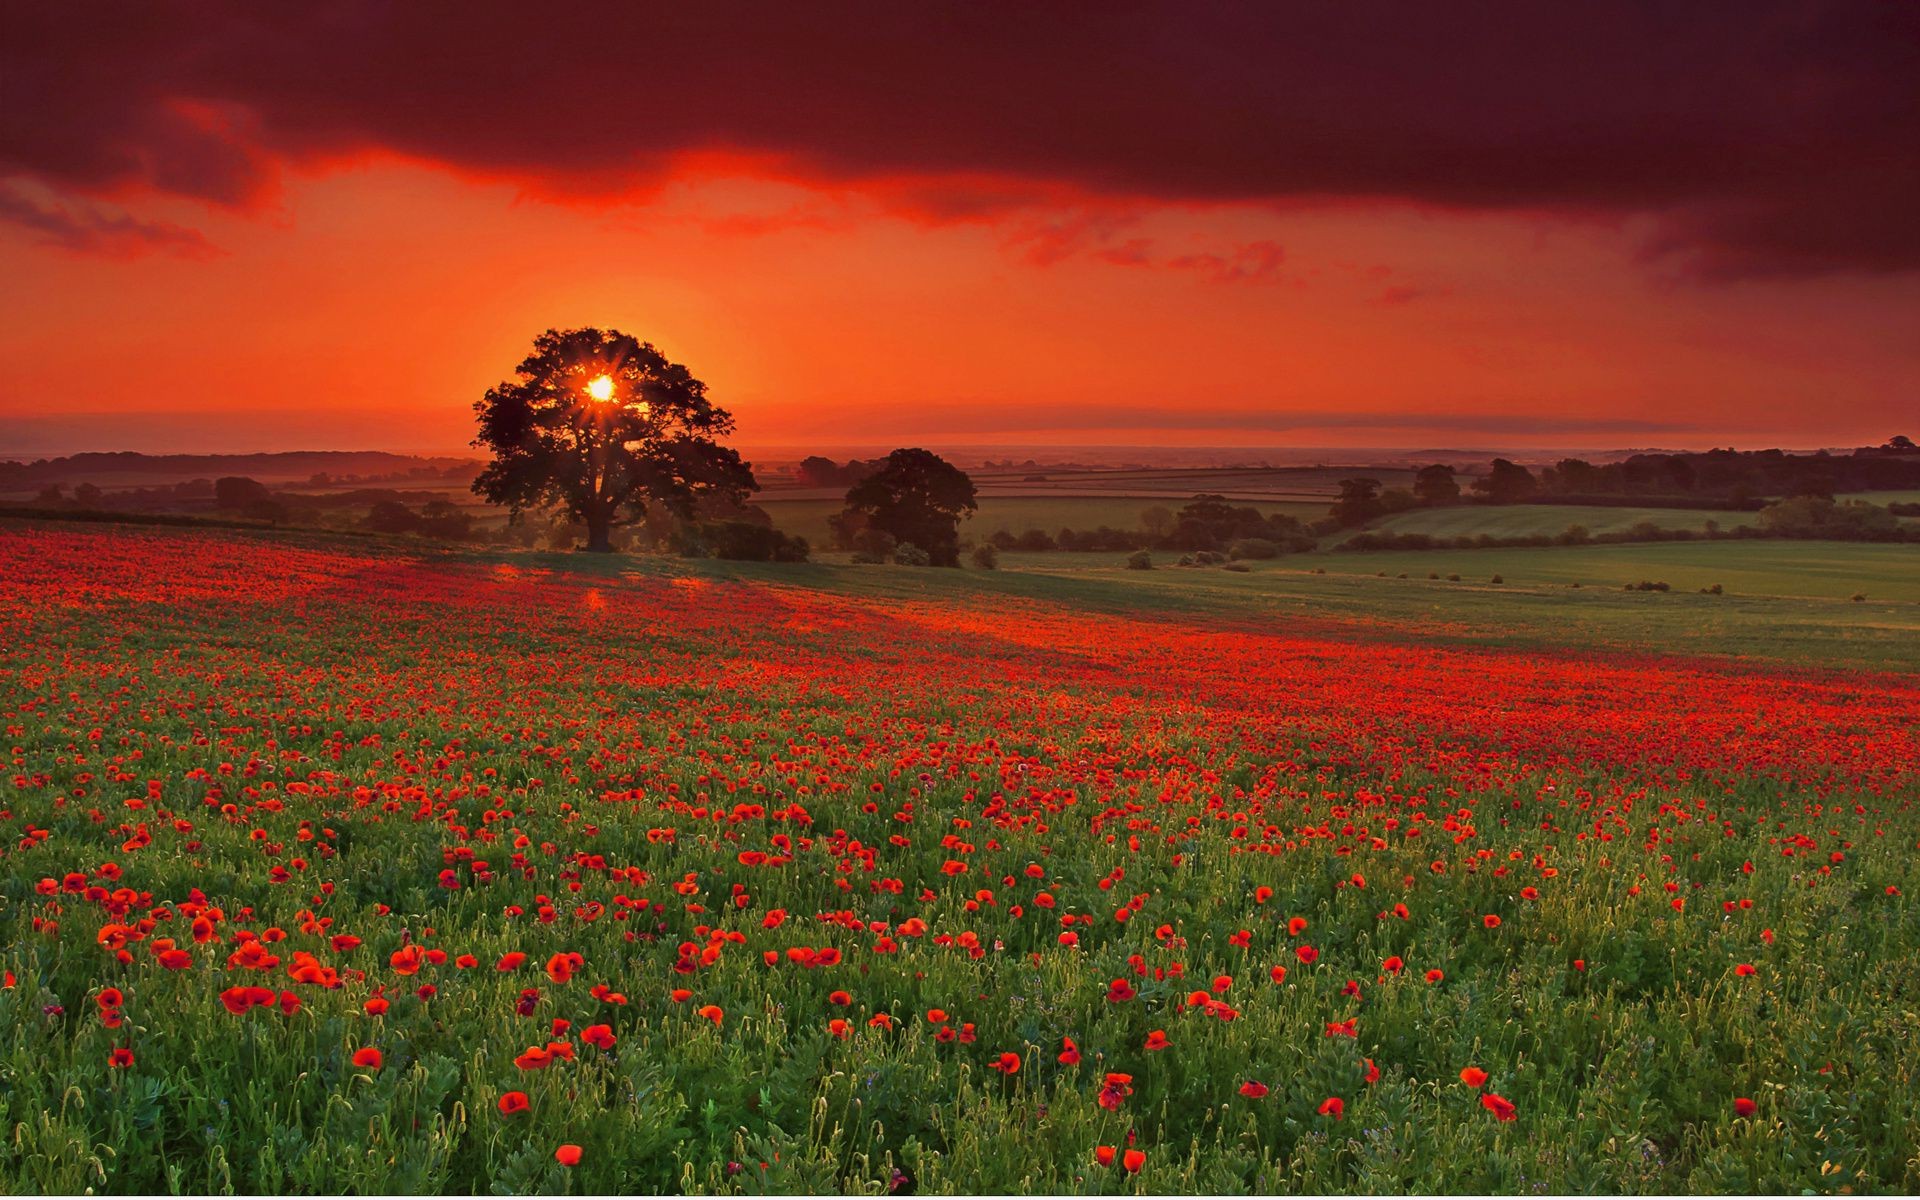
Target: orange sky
(366,299)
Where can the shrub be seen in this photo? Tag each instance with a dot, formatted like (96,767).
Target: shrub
(1649,585)
(909,555)
(1859,597)
(1498,579)
(986,557)
(1453,579)
(744,541)
(1140,560)
(1254,548)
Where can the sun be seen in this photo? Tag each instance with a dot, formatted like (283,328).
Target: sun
(600,387)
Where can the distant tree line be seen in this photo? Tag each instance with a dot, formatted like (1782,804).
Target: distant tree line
(1801,517)
(817,471)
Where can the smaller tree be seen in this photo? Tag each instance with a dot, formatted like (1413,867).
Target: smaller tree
(1359,502)
(236,492)
(1157,520)
(917,497)
(1435,485)
(1507,483)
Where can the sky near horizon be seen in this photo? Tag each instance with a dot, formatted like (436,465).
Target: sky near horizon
(229,228)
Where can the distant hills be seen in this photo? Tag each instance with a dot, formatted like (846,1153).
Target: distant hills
(291,466)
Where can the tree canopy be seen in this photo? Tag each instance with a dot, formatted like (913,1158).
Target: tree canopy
(601,425)
(918,498)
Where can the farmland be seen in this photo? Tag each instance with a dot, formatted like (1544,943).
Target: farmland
(350,866)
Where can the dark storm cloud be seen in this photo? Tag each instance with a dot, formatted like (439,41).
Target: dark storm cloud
(1762,138)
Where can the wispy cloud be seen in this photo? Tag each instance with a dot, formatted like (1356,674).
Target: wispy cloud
(88,229)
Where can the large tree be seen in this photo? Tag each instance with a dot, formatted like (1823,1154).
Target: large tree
(918,497)
(602,426)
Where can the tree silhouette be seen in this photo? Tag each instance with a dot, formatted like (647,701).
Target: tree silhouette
(601,425)
(1359,502)
(1507,483)
(1436,485)
(916,497)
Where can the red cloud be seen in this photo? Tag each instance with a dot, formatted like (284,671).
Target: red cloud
(1763,137)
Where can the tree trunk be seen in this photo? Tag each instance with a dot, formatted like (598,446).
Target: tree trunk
(599,534)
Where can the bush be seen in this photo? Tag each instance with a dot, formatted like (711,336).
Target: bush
(1140,560)
(1498,579)
(1253,548)
(986,557)
(744,541)
(1649,585)
(1859,597)
(909,555)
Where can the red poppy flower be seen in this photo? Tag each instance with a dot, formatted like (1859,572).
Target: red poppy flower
(533,1058)
(568,1155)
(1473,1077)
(120,1057)
(512,1102)
(1333,1106)
(1306,955)
(510,961)
(1070,1055)
(1499,1106)
(1007,1064)
(1104,1155)
(1744,969)
(407,960)
(598,1035)
(1436,975)
(1744,1107)
(1157,1040)
(367,1058)
(1133,1160)
(1490,921)
(1253,1091)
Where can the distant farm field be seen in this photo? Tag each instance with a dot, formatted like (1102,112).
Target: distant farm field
(1017,514)
(352,866)
(1530,520)
(1810,569)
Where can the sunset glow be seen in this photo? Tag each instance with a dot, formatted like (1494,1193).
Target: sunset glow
(600,387)
(1557,236)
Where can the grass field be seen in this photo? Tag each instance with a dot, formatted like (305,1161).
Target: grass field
(1527,520)
(336,865)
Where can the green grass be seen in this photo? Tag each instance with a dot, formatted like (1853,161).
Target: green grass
(1528,520)
(1769,613)
(1801,569)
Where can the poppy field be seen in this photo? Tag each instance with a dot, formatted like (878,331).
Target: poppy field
(331,867)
